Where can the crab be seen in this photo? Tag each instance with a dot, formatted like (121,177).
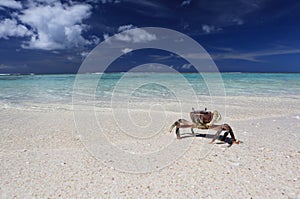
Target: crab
(204,119)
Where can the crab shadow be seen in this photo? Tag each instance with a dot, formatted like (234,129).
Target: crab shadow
(207,136)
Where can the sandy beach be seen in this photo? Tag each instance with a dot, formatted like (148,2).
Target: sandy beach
(42,156)
(93,95)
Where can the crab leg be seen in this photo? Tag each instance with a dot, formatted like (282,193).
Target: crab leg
(182,123)
(219,129)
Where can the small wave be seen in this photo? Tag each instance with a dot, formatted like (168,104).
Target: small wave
(7,74)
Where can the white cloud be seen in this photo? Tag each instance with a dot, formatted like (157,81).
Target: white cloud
(253,56)
(149,4)
(208,29)
(47,1)
(125,27)
(103,1)
(126,50)
(186,66)
(50,24)
(10,28)
(70,58)
(110,1)
(200,56)
(164,57)
(105,36)
(135,35)
(3,66)
(186,2)
(56,26)
(84,54)
(95,40)
(238,21)
(11,4)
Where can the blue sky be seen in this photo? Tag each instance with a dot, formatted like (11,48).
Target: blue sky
(52,36)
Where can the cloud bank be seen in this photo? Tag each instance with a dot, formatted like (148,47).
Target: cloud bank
(186,2)
(10,28)
(136,35)
(11,4)
(49,25)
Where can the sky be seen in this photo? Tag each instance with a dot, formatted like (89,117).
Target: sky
(53,36)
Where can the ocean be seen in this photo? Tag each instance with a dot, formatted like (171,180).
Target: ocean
(21,90)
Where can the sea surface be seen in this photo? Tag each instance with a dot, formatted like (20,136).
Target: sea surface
(17,90)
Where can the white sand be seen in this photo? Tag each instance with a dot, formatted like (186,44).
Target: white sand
(42,156)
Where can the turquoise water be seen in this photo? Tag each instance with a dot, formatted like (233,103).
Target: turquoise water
(59,88)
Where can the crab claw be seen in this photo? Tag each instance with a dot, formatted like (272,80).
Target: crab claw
(171,128)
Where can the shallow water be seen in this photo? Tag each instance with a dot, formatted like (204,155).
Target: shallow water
(103,88)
